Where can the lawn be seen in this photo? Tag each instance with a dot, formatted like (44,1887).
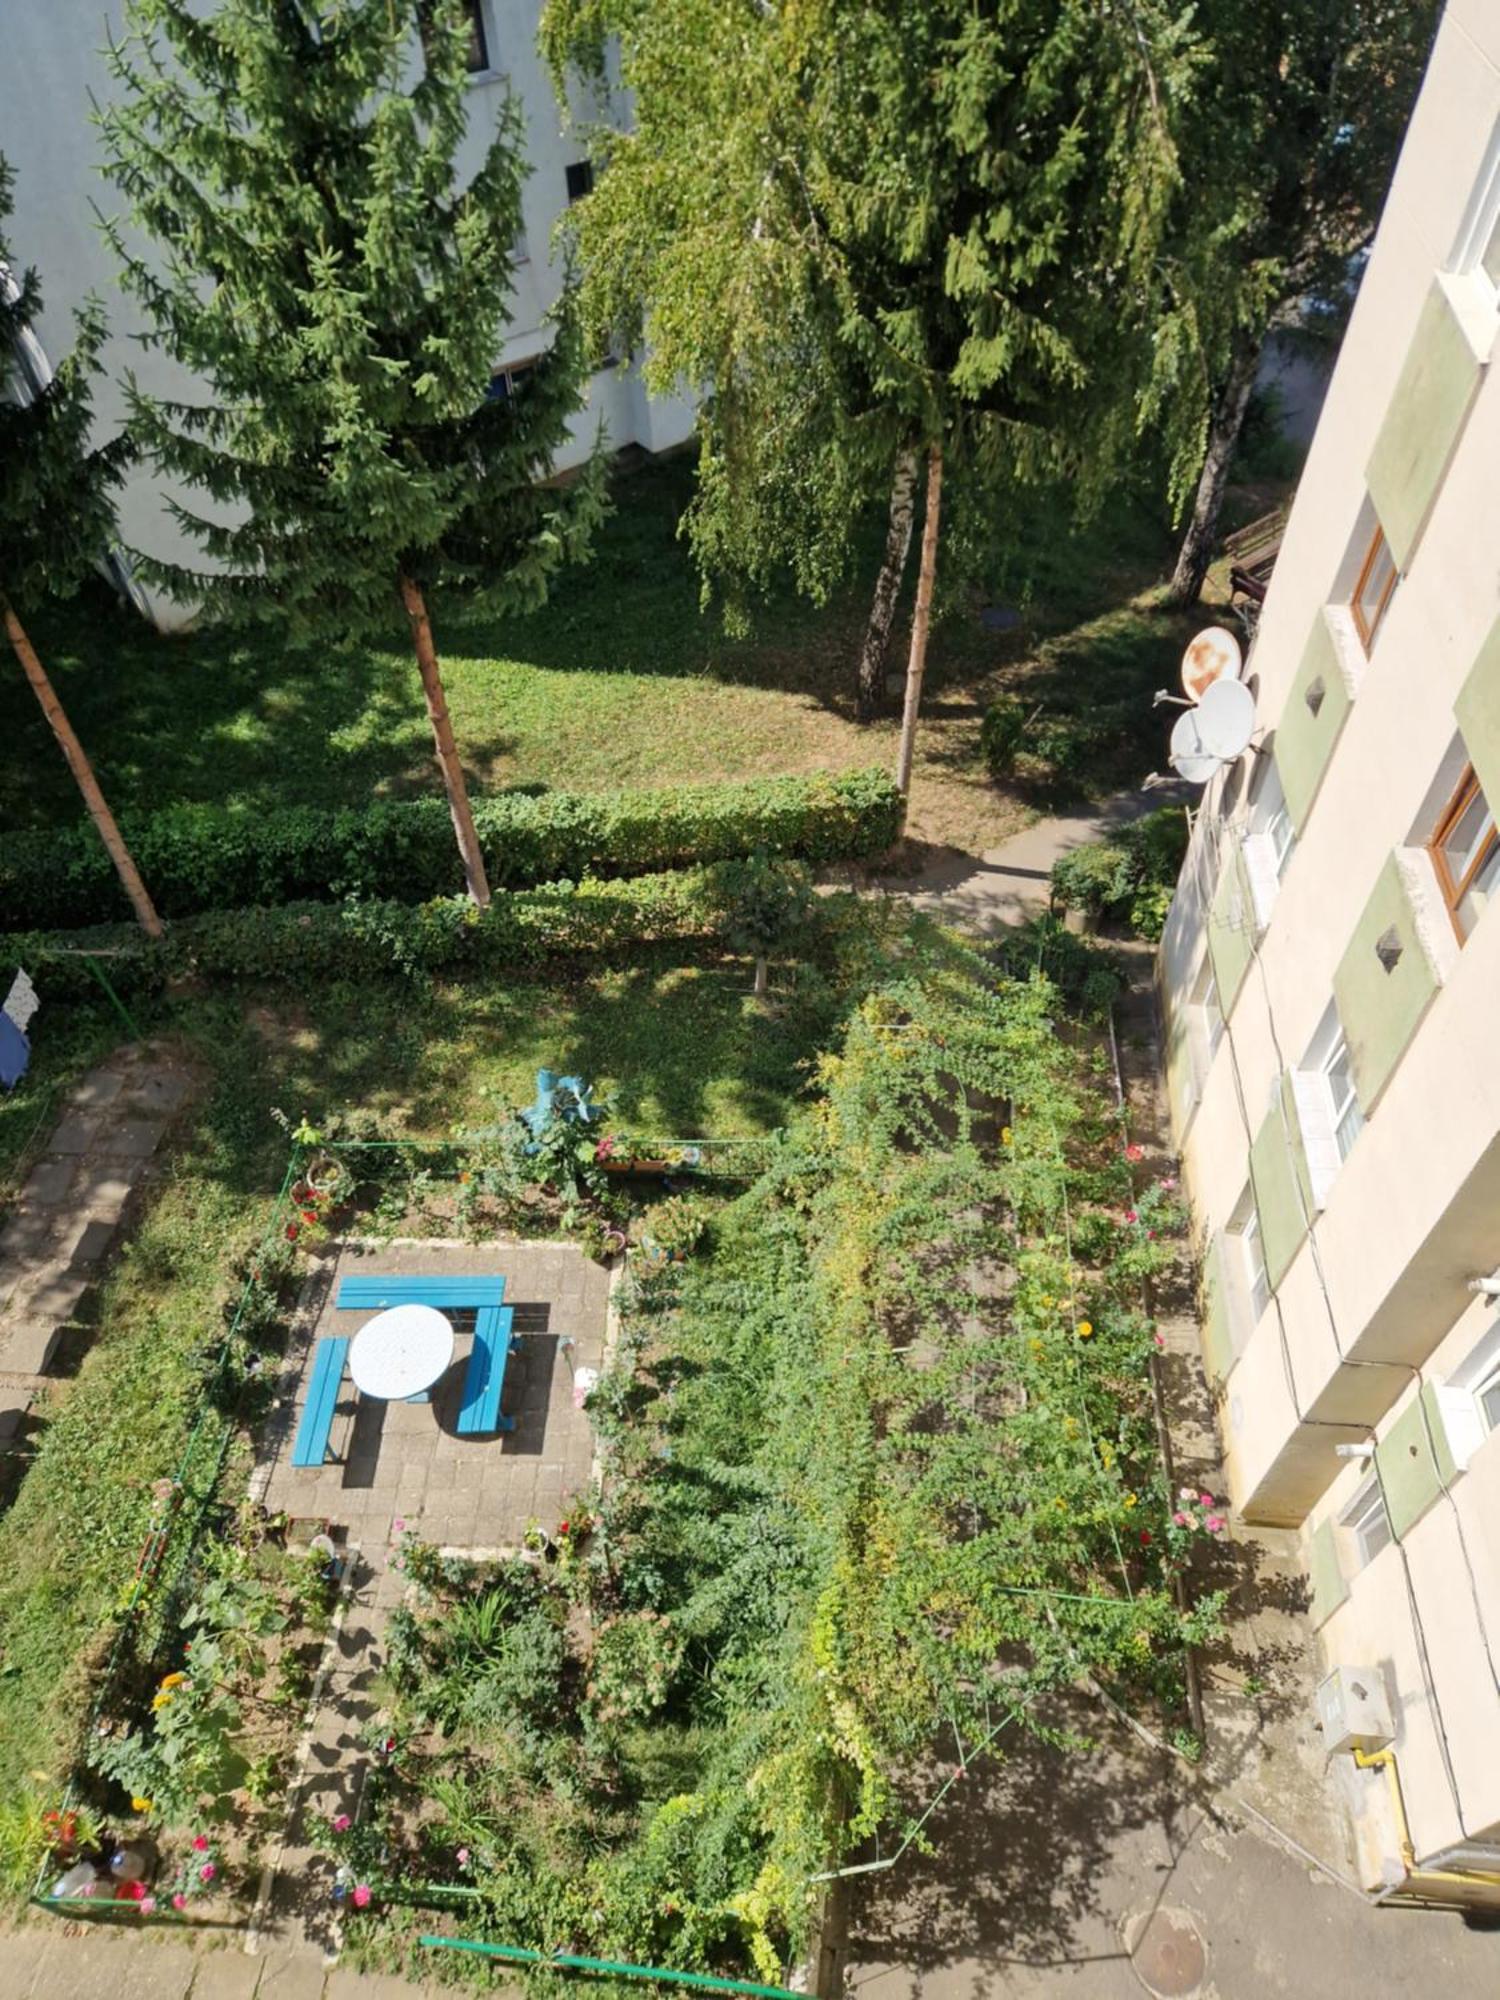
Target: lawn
(621,680)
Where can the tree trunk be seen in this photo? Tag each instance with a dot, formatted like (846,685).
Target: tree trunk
(762,970)
(82,770)
(1197,548)
(871,684)
(442,736)
(916,663)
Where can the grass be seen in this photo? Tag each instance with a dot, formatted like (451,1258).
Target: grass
(622,679)
(678,1044)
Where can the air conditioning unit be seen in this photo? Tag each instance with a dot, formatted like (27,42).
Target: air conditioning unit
(1353,1712)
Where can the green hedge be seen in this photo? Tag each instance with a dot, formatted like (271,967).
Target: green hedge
(199,857)
(361,940)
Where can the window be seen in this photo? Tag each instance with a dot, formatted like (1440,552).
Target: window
(478,57)
(1469,1400)
(580,178)
(1487,1396)
(1367,1521)
(1244,1229)
(506,382)
(1328,1060)
(1465,850)
(1372,589)
(1270,840)
(1478,251)
(1208,1016)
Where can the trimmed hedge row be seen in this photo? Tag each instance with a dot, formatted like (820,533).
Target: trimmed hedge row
(196,858)
(363,940)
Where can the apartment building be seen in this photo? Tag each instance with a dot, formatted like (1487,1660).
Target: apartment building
(1330,978)
(51,68)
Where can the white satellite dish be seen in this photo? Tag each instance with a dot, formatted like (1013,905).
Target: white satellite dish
(1213,656)
(1187,756)
(1226,719)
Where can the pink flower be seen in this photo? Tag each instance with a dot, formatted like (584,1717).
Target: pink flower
(1150,1235)
(148,1904)
(1179,1520)
(1131,1215)
(361,1895)
(341,1822)
(207,1872)
(1167,1182)
(398,1527)
(1160,1339)
(200,1843)
(1207,1499)
(1213,1524)
(463,1857)
(1135,1152)
(179,1901)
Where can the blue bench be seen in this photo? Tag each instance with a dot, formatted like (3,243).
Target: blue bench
(485,1375)
(368,1294)
(311,1446)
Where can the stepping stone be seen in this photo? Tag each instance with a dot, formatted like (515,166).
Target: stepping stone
(102,1088)
(29,1348)
(157,1096)
(57,1301)
(49,1183)
(91,1241)
(78,1133)
(134,1139)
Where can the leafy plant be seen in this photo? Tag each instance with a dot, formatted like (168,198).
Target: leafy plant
(1129,878)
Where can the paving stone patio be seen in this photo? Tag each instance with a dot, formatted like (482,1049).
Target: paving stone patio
(406,1461)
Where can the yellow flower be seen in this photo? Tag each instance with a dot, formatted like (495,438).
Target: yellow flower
(1005,1135)
(140,1805)
(160,1700)
(1130,1500)
(1037,1348)
(1049,1302)
(1085,1330)
(1062,1505)
(174,1680)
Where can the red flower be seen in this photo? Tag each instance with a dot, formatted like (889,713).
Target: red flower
(291,1232)
(1145,1537)
(562,1527)
(309,1215)
(1135,1152)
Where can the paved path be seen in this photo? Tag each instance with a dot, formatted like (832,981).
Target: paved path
(987,893)
(70,1209)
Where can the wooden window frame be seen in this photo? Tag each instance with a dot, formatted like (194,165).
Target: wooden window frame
(1455,888)
(1367,628)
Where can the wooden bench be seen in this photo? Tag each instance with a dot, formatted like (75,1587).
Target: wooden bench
(485,1375)
(311,1446)
(364,1294)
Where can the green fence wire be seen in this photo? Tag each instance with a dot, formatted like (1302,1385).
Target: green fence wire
(618,1968)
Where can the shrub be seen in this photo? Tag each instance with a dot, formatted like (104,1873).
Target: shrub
(300,942)
(1128,879)
(200,857)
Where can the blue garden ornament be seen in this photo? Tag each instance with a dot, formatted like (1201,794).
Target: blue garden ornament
(566,1097)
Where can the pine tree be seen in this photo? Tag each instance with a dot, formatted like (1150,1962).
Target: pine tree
(317,265)
(881,240)
(57,516)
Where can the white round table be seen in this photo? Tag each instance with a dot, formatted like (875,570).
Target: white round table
(400,1353)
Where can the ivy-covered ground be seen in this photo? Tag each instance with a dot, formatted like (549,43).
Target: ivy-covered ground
(881,1468)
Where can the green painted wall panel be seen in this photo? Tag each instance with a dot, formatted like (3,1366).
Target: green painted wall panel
(1478,711)
(1380,1008)
(1218,1324)
(1278,1174)
(1304,739)
(1422,424)
(1325,1573)
(1414,1462)
(1231,925)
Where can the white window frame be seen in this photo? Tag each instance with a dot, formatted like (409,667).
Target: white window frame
(1255,1280)
(1270,842)
(1328,1109)
(1367,1522)
(1480,224)
(1470,1399)
(1206,1018)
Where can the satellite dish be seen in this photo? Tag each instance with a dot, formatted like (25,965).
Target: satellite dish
(1188,757)
(1213,656)
(1226,719)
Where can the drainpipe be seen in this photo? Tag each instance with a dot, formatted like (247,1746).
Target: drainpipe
(1385,1760)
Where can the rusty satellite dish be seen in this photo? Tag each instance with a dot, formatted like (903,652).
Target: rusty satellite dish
(1214,655)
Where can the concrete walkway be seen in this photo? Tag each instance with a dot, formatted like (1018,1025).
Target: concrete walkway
(70,1209)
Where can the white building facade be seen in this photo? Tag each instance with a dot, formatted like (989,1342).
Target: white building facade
(51,67)
(1330,977)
